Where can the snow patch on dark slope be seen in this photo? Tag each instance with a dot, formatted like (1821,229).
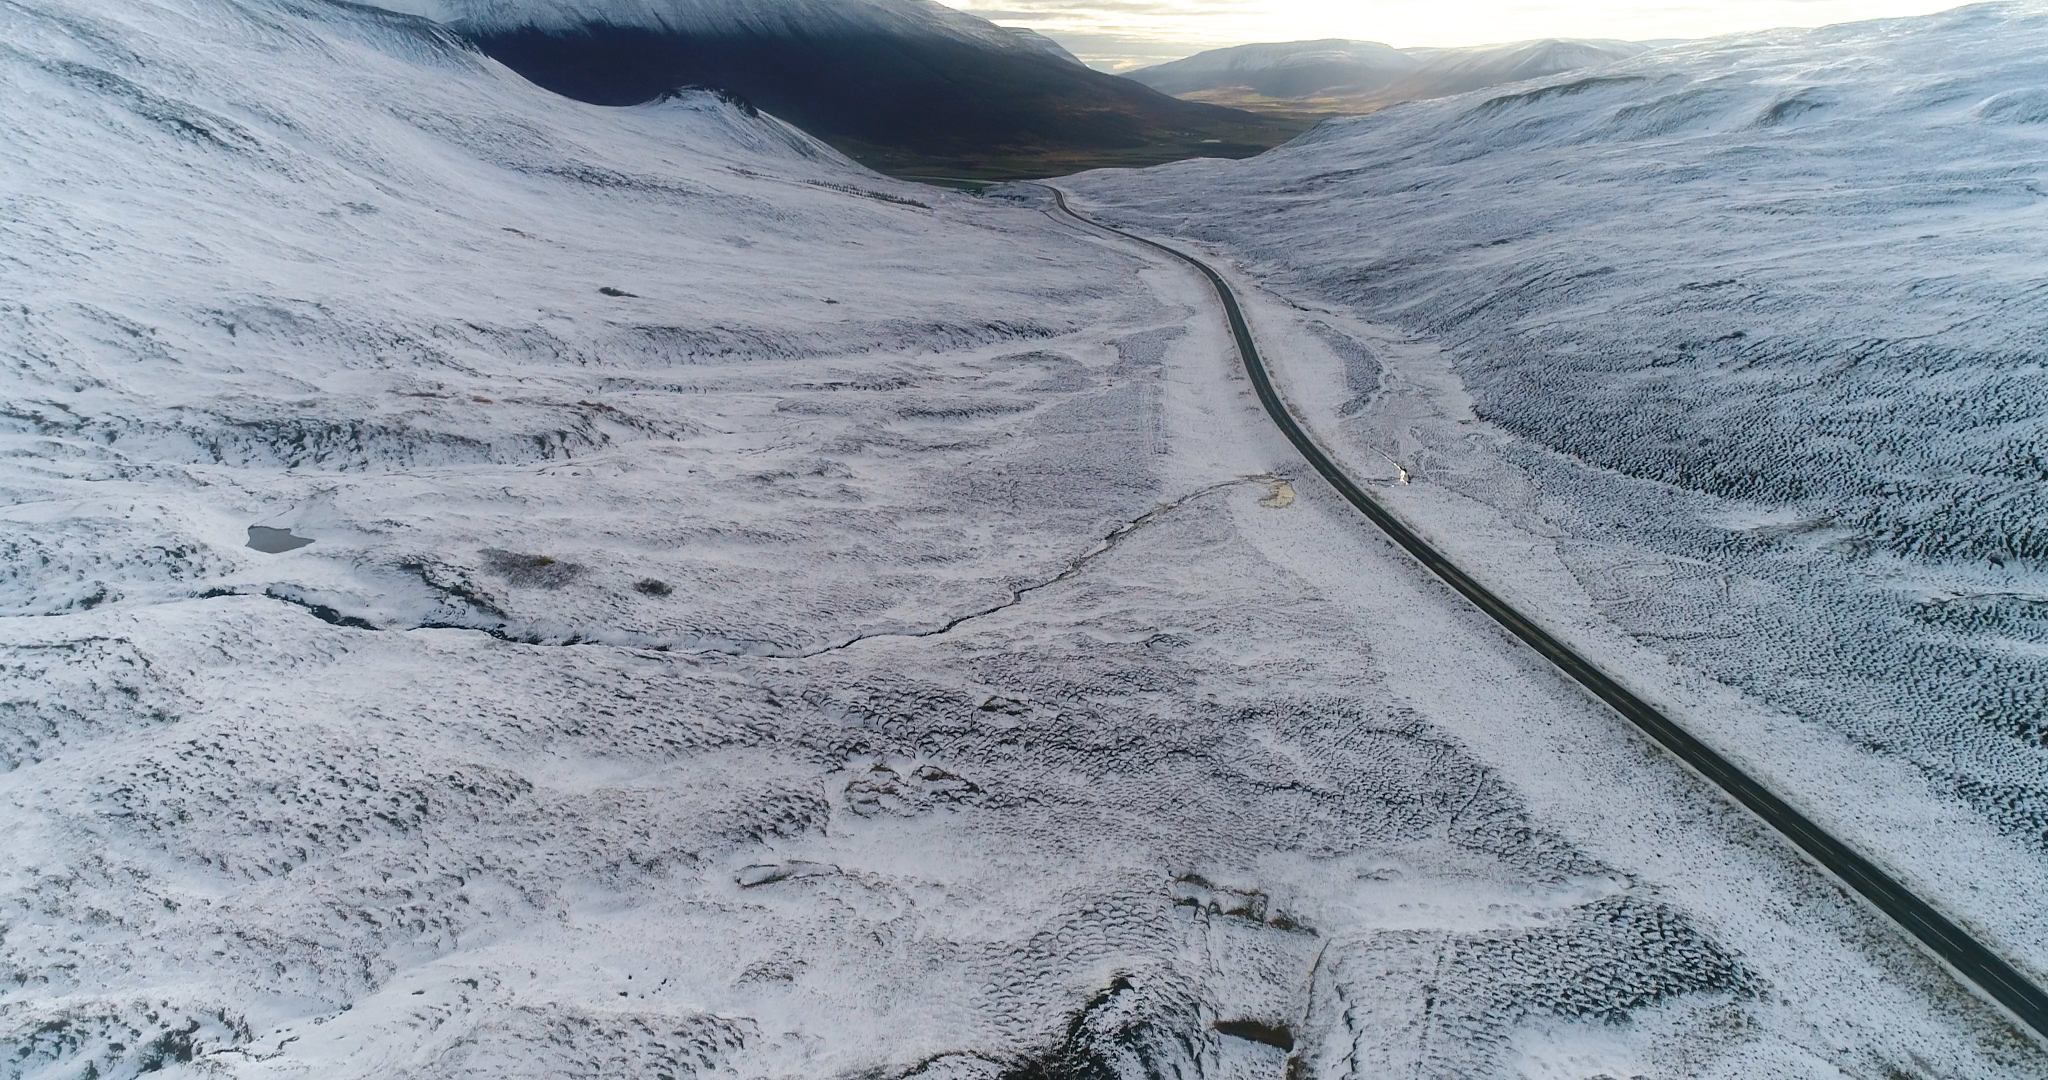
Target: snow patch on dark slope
(1764,316)
(1043,44)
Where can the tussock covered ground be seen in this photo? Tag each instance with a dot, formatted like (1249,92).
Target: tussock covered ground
(760,620)
(1746,336)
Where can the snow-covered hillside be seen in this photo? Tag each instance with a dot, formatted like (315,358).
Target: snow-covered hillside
(1747,335)
(1454,71)
(1283,69)
(1038,42)
(349,288)
(499,587)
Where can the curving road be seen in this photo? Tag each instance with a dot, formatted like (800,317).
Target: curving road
(1965,955)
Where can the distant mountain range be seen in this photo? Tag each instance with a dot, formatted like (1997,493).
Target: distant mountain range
(903,85)
(1338,76)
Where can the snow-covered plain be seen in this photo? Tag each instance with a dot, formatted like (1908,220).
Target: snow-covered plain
(1730,358)
(761,619)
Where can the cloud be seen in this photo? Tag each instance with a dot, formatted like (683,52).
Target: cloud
(1107,29)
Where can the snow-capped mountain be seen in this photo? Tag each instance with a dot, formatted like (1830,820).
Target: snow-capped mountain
(1284,69)
(1359,76)
(883,79)
(1454,71)
(1745,336)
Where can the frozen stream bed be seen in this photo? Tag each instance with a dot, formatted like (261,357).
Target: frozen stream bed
(761,619)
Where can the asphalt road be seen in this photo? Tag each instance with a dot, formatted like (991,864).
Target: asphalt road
(1951,944)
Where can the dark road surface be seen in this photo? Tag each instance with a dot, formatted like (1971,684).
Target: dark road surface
(1979,966)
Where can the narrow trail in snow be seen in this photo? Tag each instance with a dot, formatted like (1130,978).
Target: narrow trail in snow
(1962,953)
(1017,595)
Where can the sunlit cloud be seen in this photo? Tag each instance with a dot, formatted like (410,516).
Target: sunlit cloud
(1122,33)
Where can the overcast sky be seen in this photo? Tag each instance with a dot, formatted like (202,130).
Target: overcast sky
(1127,33)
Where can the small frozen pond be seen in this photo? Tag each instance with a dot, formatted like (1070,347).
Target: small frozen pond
(275,541)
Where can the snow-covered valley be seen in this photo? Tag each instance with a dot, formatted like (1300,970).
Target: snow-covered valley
(761,619)
(1727,357)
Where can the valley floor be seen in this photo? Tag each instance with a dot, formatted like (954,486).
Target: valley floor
(987,169)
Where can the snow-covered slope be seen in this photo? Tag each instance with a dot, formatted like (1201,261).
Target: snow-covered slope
(1360,76)
(1443,72)
(1283,69)
(497,587)
(1041,43)
(675,375)
(1757,324)
(350,274)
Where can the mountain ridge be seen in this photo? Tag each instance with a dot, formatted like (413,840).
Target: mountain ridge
(1336,75)
(904,86)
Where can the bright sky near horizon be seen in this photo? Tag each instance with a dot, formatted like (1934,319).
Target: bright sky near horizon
(1121,34)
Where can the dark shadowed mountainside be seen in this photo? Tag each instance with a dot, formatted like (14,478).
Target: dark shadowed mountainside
(897,86)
